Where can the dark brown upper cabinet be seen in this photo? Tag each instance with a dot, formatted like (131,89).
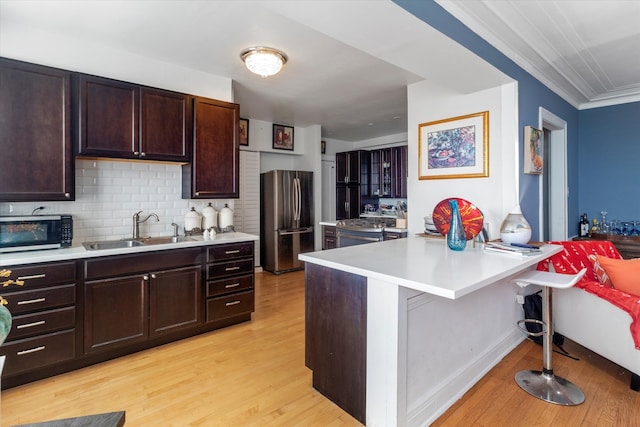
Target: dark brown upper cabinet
(124,120)
(215,162)
(36,163)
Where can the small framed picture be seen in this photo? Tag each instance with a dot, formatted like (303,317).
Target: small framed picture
(323,147)
(244,131)
(282,137)
(533,151)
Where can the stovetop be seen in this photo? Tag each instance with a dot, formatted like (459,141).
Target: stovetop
(366,224)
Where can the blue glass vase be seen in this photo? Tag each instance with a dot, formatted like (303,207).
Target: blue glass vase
(456,238)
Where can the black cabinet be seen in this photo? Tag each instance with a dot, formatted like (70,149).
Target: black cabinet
(388,172)
(35,129)
(43,330)
(214,171)
(124,120)
(329,237)
(352,182)
(132,298)
(399,156)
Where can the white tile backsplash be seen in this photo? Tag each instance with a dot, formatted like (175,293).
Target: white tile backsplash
(108,193)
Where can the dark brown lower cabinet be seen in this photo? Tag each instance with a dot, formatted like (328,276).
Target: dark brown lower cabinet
(120,311)
(72,314)
(336,336)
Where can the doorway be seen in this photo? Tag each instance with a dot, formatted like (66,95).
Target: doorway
(552,184)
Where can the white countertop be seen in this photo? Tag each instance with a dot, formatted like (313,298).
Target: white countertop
(427,265)
(77,251)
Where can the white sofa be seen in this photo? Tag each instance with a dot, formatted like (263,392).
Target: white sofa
(590,320)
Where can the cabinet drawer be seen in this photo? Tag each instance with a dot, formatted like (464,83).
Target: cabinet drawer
(329,231)
(40,299)
(233,251)
(121,265)
(231,268)
(230,305)
(233,284)
(33,353)
(42,322)
(44,274)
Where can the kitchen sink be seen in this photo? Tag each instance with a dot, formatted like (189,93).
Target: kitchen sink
(132,243)
(166,239)
(112,244)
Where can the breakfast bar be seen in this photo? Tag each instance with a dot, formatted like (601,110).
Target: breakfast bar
(397,331)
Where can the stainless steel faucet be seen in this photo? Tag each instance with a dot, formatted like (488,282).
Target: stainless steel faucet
(137,221)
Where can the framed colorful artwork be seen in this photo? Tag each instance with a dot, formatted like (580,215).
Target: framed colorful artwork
(533,150)
(457,147)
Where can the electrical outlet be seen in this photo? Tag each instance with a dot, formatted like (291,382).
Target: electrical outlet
(520,299)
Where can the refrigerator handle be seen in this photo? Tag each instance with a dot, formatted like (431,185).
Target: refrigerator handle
(296,199)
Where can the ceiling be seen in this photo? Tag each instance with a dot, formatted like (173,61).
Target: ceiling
(350,61)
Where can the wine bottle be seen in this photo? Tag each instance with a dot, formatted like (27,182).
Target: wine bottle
(584,226)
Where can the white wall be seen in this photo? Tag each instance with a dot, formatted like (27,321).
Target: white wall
(494,195)
(40,47)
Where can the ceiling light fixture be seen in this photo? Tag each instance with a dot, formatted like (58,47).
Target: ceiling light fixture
(264,61)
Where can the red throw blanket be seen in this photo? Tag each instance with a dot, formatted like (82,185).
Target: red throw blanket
(574,258)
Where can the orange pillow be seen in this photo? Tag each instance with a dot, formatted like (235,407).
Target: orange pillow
(623,273)
(600,273)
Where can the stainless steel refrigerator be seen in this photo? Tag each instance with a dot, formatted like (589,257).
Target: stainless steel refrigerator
(286,219)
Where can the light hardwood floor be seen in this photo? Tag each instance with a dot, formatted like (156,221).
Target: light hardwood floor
(253,374)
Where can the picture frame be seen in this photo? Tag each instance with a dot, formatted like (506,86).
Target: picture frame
(282,137)
(456,147)
(323,147)
(244,132)
(533,150)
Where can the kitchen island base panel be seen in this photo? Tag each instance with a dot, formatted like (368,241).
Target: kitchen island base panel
(335,341)
(423,351)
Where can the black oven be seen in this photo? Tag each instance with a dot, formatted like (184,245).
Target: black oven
(24,233)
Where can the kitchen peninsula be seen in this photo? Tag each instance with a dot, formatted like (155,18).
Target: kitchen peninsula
(397,331)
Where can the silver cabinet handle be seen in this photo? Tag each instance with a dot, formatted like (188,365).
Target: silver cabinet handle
(32,301)
(31,325)
(232,303)
(231,268)
(237,251)
(33,276)
(32,350)
(233,285)
(145,277)
(153,276)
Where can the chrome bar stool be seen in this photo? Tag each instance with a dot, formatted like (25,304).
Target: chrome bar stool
(544,384)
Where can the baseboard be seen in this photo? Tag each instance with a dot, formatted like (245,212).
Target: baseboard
(441,397)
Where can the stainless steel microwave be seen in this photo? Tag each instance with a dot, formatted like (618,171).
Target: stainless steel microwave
(24,233)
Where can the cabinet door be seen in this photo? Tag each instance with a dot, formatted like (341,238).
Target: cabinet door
(342,168)
(347,202)
(214,169)
(400,171)
(108,117)
(165,125)
(175,300)
(115,313)
(386,172)
(35,129)
(374,174)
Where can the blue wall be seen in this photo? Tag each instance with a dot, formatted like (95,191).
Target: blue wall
(531,95)
(609,159)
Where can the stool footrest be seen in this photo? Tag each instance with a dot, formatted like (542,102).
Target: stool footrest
(521,324)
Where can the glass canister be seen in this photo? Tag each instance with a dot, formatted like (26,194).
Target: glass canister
(456,238)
